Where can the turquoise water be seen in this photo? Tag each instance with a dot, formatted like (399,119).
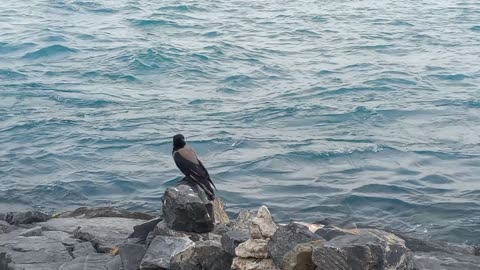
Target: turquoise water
(365,110)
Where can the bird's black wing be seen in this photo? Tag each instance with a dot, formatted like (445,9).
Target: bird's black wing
(206,172)
(194,171)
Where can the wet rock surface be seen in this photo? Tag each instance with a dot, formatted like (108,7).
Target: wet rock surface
(286,238)
(85,212)
(232,239)
(370,249)
(184,210)
(300,257)
(164,250)
(253,248)
(27,217)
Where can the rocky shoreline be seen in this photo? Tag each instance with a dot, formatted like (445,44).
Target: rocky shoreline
(196,234)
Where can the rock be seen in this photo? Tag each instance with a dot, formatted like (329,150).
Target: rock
(141,231)
(103,233)
(262,226)
(220,229)
(445,261)
(161,229)
(13,228)
(330,231)
(62,237)
(185,210)
(300,257)
(149,239)
(370,249)
(211,256)
(311,226)
(253,264)
(286,238)
(244,220)
(32,253)
(27,217)
(36,231)
(3,226)
(232,239)
(3,217)
(165,249)
(92,261)
(132,255)
(206,255)
(114,264)
(219,213)
(85,212)
(253,248)
(83,249)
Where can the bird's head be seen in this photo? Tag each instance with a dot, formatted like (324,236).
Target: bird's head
(178,141)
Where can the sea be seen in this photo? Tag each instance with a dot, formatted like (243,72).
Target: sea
(355,110)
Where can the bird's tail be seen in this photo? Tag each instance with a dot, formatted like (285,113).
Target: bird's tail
(210,193)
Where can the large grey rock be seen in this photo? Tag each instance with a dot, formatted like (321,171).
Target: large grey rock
(253,264)
(262,225)
(132,255)
(206,255)
(35,231)
(3,217)
(330,231)
(211,256)
(85,212)
(65,238)
(232,239)
(187,210)
(162,230)
(114,264)
(445,261)
(94,261)
(27,217)
(164,250)
(141,231)
(32,253)
(369,250)
(286,238)
(83,249)
(103,233)
(3,226)
(253,248)
(300,257)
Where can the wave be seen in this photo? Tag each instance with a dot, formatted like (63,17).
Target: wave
(451,77)
(8,74)
(152,22)
(182,8)
(50,51)
(475,28)
(436,179)
(6,48)
(384,189)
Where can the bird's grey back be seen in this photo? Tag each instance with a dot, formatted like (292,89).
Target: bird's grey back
(189,154)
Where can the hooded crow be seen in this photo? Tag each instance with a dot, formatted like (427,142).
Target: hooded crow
(187,161)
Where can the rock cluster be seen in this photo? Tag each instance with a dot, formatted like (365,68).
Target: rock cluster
(196,234)
(252,253)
